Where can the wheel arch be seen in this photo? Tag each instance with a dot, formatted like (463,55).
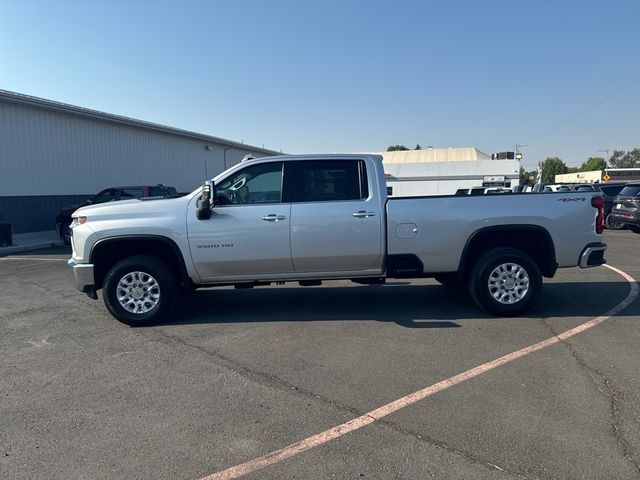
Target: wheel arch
(108,251)
(534,240)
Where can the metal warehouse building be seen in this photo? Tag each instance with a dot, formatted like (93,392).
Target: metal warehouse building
(53,155)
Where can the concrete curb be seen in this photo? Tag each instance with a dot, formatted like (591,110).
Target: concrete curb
(33,246)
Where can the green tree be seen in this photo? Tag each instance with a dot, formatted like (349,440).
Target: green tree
(594,163)
(396,148)
(527,178)
(616,157)
(418,147)
(573,170)
(551,167)
(622,159)
(523,176)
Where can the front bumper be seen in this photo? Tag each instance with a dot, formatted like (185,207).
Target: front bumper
(592,255)
(82,276)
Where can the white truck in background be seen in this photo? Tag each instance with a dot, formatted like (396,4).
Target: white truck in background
(309,218)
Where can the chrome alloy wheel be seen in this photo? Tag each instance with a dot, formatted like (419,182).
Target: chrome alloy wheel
(138,292)
(508,283)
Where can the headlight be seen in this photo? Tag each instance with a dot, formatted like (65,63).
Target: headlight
(78,221)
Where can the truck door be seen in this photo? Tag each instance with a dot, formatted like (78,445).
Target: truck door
(336,224)
(248,232)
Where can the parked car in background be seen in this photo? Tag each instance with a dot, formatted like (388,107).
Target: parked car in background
(584,187)
(556,188)
(114,194)
(497,191)
(626,207)
(474,191)
(609,192)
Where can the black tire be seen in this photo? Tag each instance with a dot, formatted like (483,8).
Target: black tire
(613,224)
(488,264)
(65,233)
(159,297)
(449,280)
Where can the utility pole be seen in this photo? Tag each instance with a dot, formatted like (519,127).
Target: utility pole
(518,154)
(607,152)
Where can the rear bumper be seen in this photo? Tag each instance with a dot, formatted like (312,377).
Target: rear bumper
(631,218)
(592,255)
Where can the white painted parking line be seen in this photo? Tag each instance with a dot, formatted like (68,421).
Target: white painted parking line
(35,259)
(385,410)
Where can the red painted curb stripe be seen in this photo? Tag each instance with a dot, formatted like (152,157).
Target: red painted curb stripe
(389,408)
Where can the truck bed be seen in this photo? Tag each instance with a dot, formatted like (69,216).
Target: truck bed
(436,229)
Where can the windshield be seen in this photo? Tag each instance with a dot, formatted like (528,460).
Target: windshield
(105,196)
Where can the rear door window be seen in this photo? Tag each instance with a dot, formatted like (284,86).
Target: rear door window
(327,181)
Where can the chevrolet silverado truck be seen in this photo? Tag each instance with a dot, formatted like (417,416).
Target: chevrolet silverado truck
(309,218)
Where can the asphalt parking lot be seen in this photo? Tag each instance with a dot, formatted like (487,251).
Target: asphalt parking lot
(242,373)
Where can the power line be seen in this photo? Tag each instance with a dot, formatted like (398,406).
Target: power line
(604,99)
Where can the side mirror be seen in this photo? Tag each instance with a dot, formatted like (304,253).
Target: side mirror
(204,203)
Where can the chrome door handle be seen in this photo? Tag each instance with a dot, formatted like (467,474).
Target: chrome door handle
(363,214)
(273,218)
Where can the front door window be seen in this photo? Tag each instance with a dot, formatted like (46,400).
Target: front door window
(255,184)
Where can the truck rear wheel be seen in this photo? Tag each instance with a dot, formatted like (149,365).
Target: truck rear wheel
(140,290)
(505,282)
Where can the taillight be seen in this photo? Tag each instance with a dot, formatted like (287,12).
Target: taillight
(598,202)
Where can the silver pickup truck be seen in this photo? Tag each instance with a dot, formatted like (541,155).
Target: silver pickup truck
(318,217)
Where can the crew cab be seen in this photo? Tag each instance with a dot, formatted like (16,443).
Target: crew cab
(311,218)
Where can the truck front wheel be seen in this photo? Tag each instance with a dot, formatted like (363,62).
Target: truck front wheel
(505,282)
(140,290)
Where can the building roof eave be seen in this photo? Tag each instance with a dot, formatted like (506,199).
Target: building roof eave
(52,105)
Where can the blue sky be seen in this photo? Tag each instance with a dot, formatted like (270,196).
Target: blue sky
(343,76)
